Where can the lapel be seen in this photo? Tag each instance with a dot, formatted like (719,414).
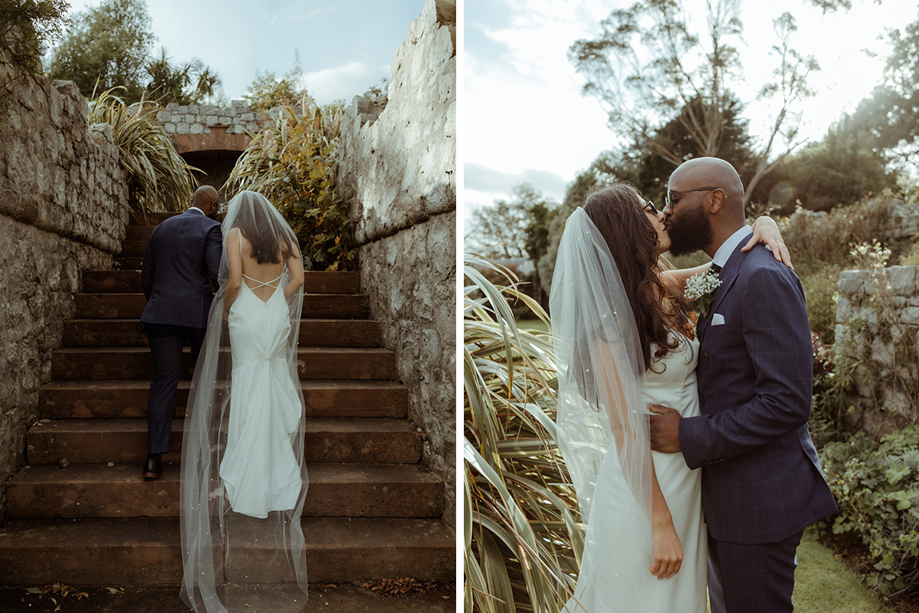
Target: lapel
(727,275)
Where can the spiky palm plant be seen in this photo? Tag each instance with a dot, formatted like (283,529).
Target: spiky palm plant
(290,162)
(522,541)
(158,177)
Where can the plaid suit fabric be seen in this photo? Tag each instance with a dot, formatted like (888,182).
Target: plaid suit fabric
(182,255)
(762,481)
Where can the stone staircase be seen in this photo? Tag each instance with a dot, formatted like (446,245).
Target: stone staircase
(371,512)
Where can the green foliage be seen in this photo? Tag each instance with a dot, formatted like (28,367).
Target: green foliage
(502,230)
(291,163)
(158,177)
(107,46)
(267,91)
(877,490)
(25,27)
(522,542)
(840,169)
(188,83)
(378,94)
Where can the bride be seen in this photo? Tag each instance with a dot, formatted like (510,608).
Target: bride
(625,337)
(244,481)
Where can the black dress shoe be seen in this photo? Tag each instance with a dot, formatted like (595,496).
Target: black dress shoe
(153,467)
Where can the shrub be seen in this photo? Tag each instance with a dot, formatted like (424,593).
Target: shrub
(291,163)
(158,177)
(877,490)
(522,542)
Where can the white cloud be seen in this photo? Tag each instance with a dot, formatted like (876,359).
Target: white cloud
(351,79)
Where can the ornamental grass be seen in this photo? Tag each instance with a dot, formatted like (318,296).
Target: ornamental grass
(523,542)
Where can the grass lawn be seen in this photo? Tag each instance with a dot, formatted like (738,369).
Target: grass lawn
(824,584)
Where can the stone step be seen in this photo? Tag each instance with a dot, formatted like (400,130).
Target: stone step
(146,551)
(150,219)
(130,333)
(128,281)
(130,306)
(335,490)
(138,233)
(328,440)
(94,363)
(128,399)
(128,263)
(133,249)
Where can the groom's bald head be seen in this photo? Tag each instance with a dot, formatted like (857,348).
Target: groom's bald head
(207,199)
(707,205)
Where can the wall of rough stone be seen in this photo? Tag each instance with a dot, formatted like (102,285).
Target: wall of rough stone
(200,119)
(877,327)
(64,209)
(396,172)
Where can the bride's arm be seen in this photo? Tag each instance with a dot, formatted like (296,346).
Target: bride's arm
(667,552)
(234,269)
(295,265)
(765,231)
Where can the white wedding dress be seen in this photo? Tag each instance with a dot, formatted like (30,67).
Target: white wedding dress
(259,470)
(600,587)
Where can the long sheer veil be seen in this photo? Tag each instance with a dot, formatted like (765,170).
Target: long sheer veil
(234,562)
(602,420)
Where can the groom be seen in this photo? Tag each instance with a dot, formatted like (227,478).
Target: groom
(762,483)
(179,269)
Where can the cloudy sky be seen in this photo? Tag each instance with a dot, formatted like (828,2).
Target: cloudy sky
(345,46)
(525,120)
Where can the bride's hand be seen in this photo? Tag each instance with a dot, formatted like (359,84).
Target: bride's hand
(766,231)
(666,550)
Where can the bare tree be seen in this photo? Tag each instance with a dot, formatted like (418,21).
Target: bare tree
(647,67)
(790,86)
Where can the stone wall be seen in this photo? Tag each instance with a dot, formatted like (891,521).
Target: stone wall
(397,174)
(64,208)
(877,329)
(200,119)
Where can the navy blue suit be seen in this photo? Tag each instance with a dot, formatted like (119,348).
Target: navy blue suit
(179,269)
(762,483)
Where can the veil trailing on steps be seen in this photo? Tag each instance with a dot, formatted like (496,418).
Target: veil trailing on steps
(603,428)
(243,476)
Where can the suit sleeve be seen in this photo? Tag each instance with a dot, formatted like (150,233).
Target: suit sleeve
(777,338)
(148,267)
(213,250)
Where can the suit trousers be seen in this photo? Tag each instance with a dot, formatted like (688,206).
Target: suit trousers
(755,578)
(166,343)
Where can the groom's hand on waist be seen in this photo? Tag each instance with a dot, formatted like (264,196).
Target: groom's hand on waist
(665,429)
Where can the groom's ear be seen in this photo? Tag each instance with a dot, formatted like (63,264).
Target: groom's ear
(718,198)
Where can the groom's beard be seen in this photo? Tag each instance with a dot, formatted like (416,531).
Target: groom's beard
(690,233)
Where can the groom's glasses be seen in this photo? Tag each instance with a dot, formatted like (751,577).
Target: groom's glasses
(668,202)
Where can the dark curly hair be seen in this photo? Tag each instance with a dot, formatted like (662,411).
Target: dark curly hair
(658,307)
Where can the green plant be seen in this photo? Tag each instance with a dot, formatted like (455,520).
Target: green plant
(877,490)
(26,26)
(522,542)
(158,177)
(291,163)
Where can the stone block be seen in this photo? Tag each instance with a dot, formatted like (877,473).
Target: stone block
(247,117)
(172,106)
(163,116)
(170,128)
(851,282)
(904,280)
(224,120)
(182,128)
(196,128)
(210,120)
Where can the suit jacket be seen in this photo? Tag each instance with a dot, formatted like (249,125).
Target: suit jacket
(182,255)
(762,481)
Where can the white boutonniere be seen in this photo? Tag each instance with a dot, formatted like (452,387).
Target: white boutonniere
(699,292)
